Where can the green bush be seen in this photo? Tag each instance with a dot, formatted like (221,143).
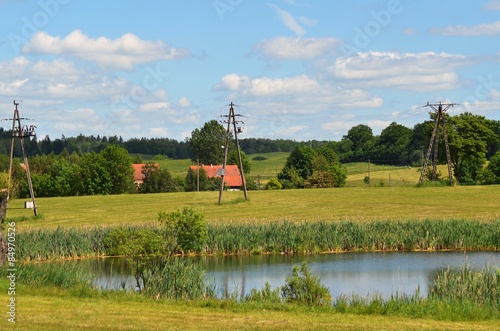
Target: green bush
(305,289)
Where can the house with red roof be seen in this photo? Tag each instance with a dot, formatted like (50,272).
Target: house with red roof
(138,175)
(232,177)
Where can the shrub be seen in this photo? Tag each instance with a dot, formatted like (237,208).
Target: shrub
(186,230)
(305,289)
(273,184)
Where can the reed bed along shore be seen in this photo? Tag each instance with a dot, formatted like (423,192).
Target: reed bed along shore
(280,237)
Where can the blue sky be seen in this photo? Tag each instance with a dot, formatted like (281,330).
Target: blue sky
(296,69)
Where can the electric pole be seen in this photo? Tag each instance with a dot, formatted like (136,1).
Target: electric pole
(440,109)
(21,132)
(231,119)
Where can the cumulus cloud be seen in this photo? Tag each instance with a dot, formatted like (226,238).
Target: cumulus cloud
(487,29)
(296,48)
(409,71)
(300,94)
(121,53)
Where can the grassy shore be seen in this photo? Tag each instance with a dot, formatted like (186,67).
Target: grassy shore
(50,308)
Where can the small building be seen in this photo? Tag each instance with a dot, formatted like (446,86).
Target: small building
(138,175)
(232,178)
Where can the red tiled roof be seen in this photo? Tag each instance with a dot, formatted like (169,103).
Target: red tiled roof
(138,175)
(232,177)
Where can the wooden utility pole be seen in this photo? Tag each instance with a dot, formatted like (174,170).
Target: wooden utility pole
(231,118)
(21,132)
(440,118)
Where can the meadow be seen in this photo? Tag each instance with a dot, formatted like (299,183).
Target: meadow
(333,204)
(394,210)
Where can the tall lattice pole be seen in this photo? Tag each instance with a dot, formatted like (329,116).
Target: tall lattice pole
(434,142)
(21,132)
(231,118)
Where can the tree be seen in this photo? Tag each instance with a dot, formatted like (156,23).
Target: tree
(185,228)
(469,136)
(119,165)
(361,137)
(301,160)
(493,169)
(146,249)
(393,145)
(156,180)
(93,175)
(232,158)
(207,143)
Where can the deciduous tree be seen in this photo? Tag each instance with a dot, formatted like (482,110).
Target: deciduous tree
(207,143)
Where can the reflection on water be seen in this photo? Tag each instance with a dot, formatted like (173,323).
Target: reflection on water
(346,273)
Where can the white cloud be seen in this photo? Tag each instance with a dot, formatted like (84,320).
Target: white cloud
(410,31)
(296,48)
(289,21)
(154,106)
(295,95)
(487,29)
(121,53)
(233,82)
(184,102)
(492,5)
(409,71)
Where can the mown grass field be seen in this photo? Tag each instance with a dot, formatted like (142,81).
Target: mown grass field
(263,170)
(54,309)
(356,172)
(354,204)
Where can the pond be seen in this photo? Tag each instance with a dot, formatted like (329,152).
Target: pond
(344,274)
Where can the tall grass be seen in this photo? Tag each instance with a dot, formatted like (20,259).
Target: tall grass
(467,285)
(315,237)
(282,237)
(176,279)
(61,275)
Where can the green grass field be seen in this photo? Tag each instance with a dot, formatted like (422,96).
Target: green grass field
(54,309)
(264,169)
(355,204)
(356,172)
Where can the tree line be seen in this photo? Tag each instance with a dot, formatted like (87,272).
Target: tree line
(102,165)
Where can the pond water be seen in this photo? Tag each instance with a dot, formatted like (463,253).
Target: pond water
(346,273)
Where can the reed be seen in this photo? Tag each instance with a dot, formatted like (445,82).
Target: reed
(280,237)
(464,285)
(64,275)
(176,279)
